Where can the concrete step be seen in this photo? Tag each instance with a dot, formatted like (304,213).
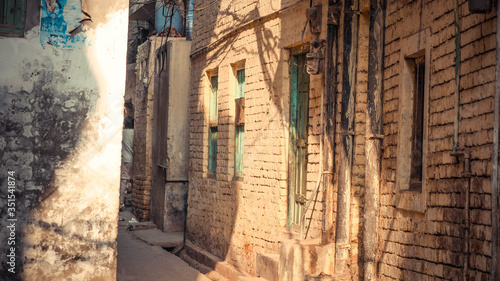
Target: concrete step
(193,263)
(268,266)
(157,237)
(215,276)
(140,225)
(300,258)
(209,272)
(205,261)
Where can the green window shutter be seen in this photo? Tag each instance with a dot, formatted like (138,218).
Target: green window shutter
(240,126)
(240,89)
(214,81)
(213,122)
(12,14)
(238,155)
(212,150)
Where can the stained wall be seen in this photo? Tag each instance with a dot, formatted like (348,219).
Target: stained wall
(60,122)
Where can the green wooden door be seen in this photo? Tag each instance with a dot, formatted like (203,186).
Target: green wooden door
(299,113)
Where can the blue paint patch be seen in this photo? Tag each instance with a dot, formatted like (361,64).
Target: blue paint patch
(55,27)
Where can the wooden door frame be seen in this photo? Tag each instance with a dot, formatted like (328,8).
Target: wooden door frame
(292,224)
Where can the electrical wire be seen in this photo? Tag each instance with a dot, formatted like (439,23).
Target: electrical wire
(305,25)
(171,16)
(156,8)
(303,31)
(181,9)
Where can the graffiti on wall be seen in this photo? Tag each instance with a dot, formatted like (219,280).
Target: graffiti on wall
(58,19)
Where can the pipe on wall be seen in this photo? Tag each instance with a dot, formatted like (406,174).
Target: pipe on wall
(467,224)
(342,233)
(495,174)
(189,19)
(467,175)
(373,138)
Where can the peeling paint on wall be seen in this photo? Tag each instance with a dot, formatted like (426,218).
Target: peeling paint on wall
(60,131)
(59,18)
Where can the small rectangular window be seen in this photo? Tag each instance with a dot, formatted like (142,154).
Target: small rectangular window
(12,17)
(239,122)
(413,127)
(213,123)
(417,138)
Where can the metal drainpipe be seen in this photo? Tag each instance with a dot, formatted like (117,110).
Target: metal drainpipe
(495,174)
(342,239)
(334,7)
(466,174)
(373,138)
(189,19)
(455,152)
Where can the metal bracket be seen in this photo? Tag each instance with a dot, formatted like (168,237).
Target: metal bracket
(375,136)
(466,153)
(347,133)
(300,198)
(313,15)
(301,143)
(334,13)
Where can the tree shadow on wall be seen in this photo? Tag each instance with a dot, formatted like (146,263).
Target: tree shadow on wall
(242,212)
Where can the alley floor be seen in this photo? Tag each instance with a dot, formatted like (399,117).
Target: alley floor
(138,260)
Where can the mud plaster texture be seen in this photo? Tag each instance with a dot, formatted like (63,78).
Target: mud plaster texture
(60,132)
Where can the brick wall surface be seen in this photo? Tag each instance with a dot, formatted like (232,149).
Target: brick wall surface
(143,129)
(237,219)
(430,245)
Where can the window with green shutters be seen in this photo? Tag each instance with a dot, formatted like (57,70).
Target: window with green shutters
(239,123)
(12,17)
(213,122)
(299,113)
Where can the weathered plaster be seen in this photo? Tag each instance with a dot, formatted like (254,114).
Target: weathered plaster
(60,130)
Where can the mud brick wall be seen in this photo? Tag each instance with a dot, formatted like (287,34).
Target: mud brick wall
(358,168)
(143,128)
(141,187)
(237,219)
(430,244)
(358,156)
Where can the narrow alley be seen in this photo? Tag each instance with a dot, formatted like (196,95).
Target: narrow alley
(250,140)
(138,260)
